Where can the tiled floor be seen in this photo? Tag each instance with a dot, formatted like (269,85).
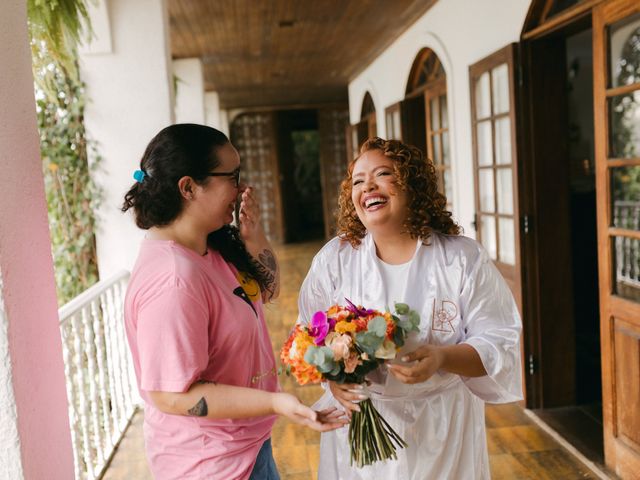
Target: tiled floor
(518,448)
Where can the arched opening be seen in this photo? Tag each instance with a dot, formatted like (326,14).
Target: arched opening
(368,106)
(422,118)
(358,133)
(426,70)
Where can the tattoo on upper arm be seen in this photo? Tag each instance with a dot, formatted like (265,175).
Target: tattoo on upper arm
(199,409)
(266,264)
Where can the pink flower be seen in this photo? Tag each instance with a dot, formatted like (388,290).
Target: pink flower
(319,327)
(340,344)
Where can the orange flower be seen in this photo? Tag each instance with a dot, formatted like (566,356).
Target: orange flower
(292,354)
(344,327)
(391,325)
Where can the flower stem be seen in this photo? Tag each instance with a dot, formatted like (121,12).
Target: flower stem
(371,438)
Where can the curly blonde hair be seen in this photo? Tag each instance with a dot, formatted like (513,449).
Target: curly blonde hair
(417,177)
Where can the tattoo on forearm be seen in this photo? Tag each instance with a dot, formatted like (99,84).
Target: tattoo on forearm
(267,266)
(268,259)
(199,409)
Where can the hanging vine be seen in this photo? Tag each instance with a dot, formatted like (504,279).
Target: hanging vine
(56,27)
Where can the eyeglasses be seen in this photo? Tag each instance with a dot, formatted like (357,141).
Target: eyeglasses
(235,175)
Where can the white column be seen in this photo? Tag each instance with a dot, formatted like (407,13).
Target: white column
(127,70)
(35,440)
(215,116)
(189,82)
(212,109)
(224,122)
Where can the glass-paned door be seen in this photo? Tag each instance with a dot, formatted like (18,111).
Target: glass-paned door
(495,165)
(392,122)
(253,134)
(617,145)
(437,124)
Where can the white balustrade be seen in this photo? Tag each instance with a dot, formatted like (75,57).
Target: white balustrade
(626,214)
(101,386)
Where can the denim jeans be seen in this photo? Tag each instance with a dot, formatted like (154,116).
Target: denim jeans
(265,467)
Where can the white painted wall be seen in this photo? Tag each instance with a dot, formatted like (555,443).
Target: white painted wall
(190,103)
(215,116)
(460,32)
(130,100)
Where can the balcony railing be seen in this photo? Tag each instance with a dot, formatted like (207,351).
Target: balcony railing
(101,386)
(627,215)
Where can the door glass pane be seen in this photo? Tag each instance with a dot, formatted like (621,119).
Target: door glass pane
(503,141)
(437,152)
(389,122)
(488,235)
(504,192)
(624,125)
(445,148)
(485,147)
(507,241)
(624,51)
(448,189)
(625,194)
(444,113)
(483,97)
(626,264)
(355,145)
(485,184)
(435,114)
(500,79)
(397,134)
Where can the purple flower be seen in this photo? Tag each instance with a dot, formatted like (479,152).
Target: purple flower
(360,312)
(319,327)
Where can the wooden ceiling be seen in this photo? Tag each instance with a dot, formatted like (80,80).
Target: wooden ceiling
(286,52)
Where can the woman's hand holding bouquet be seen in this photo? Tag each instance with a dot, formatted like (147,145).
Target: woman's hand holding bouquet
(343,345)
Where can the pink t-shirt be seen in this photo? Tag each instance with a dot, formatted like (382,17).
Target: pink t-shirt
(188,318)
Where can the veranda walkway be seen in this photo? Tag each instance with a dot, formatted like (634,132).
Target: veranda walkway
(518,448)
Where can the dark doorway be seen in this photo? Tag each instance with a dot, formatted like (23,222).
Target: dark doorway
(300,179)
(564,189)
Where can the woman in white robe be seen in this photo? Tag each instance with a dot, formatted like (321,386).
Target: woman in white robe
(397,243)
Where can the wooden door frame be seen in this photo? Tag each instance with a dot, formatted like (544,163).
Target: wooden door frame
(435,90)
(509,55)
(614,311)
(535,341)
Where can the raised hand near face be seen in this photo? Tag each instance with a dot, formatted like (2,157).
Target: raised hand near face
(249,216)
(257,243)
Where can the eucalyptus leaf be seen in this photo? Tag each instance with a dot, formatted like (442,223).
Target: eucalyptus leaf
(369,342)
(402,308)
(321,357)
(377,326)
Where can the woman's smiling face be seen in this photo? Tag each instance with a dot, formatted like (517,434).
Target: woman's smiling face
(381,205)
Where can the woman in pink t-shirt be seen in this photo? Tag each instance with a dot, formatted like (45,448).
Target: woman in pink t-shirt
(194,314)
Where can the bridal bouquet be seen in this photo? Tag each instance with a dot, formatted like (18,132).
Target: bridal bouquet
(344,344)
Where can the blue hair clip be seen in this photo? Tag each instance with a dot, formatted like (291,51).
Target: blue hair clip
(139,175)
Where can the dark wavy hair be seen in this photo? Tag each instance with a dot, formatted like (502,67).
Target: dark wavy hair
(176,151)
(417,177)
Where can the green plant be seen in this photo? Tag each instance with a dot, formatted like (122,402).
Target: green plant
(56,27)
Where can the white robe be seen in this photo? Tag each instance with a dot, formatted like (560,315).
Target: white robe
(461,298)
